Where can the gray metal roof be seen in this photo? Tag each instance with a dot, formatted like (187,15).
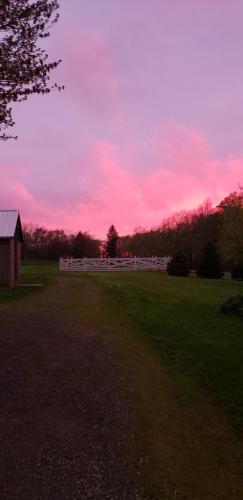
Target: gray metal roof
(8,223)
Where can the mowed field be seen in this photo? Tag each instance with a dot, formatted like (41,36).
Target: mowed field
(158,369)
(181,319)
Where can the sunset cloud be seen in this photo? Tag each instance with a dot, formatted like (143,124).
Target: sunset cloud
(105,189)
(150,121)
(91,74)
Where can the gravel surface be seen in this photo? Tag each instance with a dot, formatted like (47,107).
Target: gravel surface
(66,421)
(87,412)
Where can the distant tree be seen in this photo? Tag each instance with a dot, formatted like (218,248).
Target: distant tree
(41,243)
(204,228)
(57,243)
(35,242)
(24,68)
(111,243)
(186,229)
(234,199)
(179,264)
(83,245)
(78,245)
(231,233)
(209,264)
(237,271)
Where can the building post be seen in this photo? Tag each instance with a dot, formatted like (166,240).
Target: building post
(11,263)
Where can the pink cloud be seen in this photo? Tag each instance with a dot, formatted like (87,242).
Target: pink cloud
(90,72)
(179,146)
(102,188)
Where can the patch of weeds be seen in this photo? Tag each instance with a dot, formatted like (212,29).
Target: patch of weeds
(233,305)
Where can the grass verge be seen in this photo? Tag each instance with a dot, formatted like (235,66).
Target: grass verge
(180,319)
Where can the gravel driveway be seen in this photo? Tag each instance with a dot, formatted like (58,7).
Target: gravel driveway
(66,424)
(87,412)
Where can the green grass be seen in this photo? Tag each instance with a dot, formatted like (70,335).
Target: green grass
(9,295)
(31,272)
(180,318)
(39,271)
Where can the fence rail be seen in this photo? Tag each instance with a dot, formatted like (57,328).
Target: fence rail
(114,264)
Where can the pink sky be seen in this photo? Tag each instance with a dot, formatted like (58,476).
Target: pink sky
(150,122)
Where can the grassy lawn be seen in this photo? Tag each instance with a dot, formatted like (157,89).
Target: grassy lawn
(39,271)
(177,359)
(177,317)
(180,318)
(31,272)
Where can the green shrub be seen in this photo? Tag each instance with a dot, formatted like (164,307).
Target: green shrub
(179,265)
(209,265)
(233,305)
(237,271)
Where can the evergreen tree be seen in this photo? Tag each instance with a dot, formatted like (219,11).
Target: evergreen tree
(111,244)
(209,264)
(179,265)
(237,271)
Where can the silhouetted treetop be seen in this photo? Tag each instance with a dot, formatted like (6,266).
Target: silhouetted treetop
(41,243)
(111,244)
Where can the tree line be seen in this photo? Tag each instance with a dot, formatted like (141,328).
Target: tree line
(47,244)
(187,231)
(191,231)
(41,243)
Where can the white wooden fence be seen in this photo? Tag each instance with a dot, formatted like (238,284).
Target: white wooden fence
(116,264)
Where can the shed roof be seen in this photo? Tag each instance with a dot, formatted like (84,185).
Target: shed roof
(10,223)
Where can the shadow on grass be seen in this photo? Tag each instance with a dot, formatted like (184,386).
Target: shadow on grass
(12,294)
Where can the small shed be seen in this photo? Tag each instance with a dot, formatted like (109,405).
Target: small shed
(11,238)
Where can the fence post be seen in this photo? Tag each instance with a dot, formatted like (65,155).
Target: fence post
(84,264)
(135,263)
